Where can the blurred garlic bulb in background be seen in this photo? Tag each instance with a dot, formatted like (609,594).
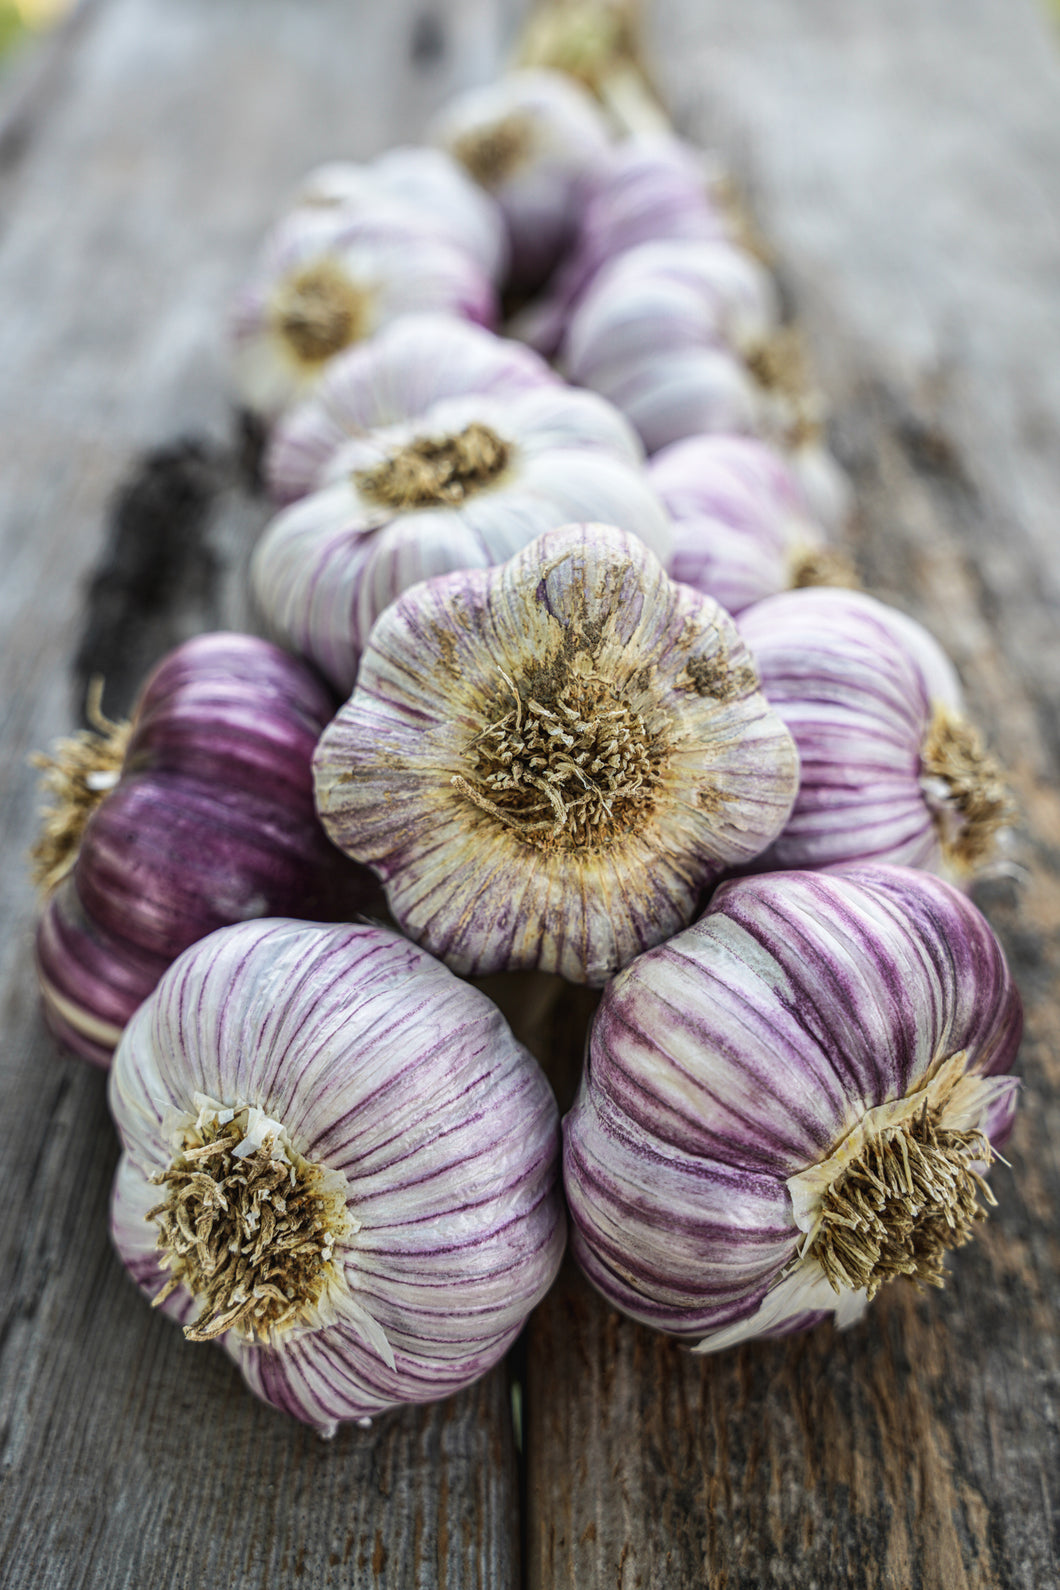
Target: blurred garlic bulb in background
(531,140)
(463,484)
(338,1161)
(326,281)
(434,186)
(742,530)
(792,1103)
(549,761)
(891,769)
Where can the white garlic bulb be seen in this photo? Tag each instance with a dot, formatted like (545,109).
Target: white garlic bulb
(549,761)
(531,139)
(463,484)
(431,183)
(326,281)
(338,1162)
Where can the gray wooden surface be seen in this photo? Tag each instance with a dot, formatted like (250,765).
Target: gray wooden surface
(904,163)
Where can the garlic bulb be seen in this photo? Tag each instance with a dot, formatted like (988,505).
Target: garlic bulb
(547,762)
(432,184)
(891,768)
(396,377)
(659,333)
(792,1103)
(741,527)
(337,1161)
(327,281)
(206,818)
(648,189)
(464,484)
(531,140)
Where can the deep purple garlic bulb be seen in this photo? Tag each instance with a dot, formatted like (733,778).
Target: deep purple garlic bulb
(547,762)
(531,140)
(462,483)
(791,1103)
(742,529)
(204,817)
(432,184)
(892,770)
(327,281)
(395,378)
(339,1163)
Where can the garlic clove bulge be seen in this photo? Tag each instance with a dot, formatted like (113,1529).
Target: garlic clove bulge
(338,1090)
(467,484)
(792,1102)
(892,770)
(548,761)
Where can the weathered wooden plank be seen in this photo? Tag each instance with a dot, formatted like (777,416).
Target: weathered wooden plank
(904,162)
(138,170)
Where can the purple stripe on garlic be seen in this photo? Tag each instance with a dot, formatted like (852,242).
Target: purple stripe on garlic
(326,281)
(464,484)
(791,1103)
(742,529)
(547,762)
(892,770)
(388,1105)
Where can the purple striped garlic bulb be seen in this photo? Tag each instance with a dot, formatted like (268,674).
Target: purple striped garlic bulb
(433,185)
(742,530)
(339,1163)
(462,484)
(660,333)
(531,140)
(198,814)
(326,281)
(548,762)
(892,770)
(791,1103)
(648,189)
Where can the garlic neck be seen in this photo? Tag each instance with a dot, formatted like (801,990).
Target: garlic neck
(814,566)
(80,773)
(432,472)
(964,787)
(249,1227)
(902,1188)
(319,311)
(491,154)
(568,763)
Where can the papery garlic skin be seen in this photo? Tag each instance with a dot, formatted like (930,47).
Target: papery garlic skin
(648,189)
(867,694)
(547,762)
(327,566)
(353,1053)
(431,183)
(531,139)
(733,1072)
(326,281)
(211,821)
(742,529)
(397,377)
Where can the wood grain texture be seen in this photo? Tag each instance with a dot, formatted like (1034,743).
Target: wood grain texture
(139,166)
(904,163)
